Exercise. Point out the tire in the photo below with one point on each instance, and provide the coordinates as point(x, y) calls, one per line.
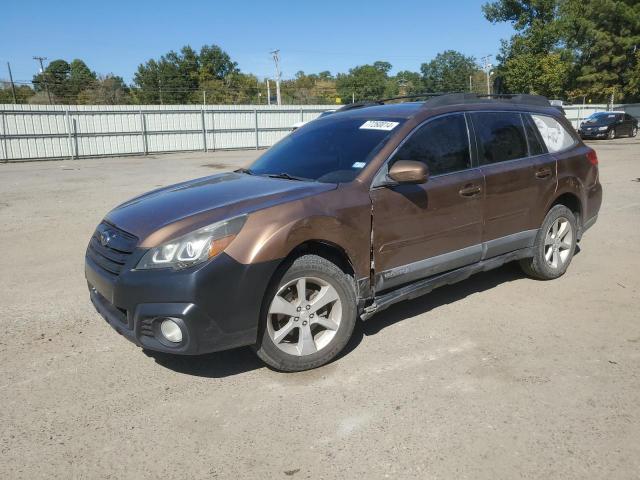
point(611, 134)
point(634, 131)
point(553, 254)
point(301, 332)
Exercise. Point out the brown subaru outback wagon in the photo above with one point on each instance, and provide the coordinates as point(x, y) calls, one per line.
point(374, 204)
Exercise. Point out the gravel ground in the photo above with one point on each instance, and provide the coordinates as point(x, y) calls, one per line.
point(499, 376)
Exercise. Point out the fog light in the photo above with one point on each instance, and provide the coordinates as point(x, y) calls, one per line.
point(171, 331)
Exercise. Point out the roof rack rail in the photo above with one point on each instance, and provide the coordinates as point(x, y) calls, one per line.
point(382, 101)
point(444, 99)
point(458, 98)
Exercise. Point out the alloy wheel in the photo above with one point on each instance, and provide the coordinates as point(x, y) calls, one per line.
point(304, 316)
point(558, 243)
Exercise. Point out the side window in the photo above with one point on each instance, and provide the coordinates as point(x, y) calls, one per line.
point(500, 136)
point(536, 145)
point(442, 144)
point(554, 135)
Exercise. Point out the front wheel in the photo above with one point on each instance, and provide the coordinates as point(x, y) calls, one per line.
point(554, 246)
point(612, 134)
point(634, 132)
point(308, 316)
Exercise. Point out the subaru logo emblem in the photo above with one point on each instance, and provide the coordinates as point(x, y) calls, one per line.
point(105, 238)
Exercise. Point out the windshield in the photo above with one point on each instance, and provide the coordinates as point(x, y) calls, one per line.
point(602, 117)
point(332, 150)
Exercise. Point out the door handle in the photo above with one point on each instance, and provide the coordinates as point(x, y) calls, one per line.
point(470, 190)
point(543, 173)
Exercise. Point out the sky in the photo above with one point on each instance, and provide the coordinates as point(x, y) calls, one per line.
point(116, 36)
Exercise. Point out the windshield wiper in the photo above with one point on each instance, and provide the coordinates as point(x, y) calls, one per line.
point(244, 170)
point(286, 176)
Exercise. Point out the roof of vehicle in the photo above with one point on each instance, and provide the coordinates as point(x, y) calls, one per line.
point(380, 109)
point(397, 110)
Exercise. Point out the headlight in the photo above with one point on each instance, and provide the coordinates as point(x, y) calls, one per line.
point(602, 129)
point(195, 247)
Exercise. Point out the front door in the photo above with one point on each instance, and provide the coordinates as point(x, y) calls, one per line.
point(422, 230)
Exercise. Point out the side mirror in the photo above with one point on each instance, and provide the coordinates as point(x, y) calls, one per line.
point(409, 171)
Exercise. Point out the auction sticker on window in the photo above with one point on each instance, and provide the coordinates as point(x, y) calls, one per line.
point(378, 125)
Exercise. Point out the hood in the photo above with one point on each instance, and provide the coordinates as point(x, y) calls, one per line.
point(207, 200)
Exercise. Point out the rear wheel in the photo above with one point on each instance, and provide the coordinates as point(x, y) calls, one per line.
point(634, 131)
point(309, 316)
point(554, 246)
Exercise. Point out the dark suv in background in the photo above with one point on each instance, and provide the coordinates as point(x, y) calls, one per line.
point(608, 125)
point(351, 213)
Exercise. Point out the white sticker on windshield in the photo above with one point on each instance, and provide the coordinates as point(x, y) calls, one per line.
point(378, 125)
point(358, 165)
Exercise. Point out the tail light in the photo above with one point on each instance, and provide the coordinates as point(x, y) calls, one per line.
point(592, 156)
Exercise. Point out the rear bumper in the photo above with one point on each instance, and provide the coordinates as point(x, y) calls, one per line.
point(591, 203)
point(217, 305)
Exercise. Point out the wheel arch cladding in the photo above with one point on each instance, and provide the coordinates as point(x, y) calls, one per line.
point(327, 250)
point(572, 202)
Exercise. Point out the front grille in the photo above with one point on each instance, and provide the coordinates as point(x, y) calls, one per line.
point(110, 247)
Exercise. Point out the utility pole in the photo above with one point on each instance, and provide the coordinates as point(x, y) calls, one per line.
point(268, 92)
point(13, 87)
point(160, 90)
point(276, 59)
point(402, 86)
point(470, 83)
point(46, 84)
point(486, 66)
point(204, 97)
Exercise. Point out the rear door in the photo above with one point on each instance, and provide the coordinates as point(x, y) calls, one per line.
point(514, 179)
point(422, 230)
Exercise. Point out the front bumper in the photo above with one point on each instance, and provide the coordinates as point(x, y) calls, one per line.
point(217, 304)
point(593, 134)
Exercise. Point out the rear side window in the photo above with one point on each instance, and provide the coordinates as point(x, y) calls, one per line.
point(442, 144)
point(536, 145)
point(500, 135)
point(554, 135)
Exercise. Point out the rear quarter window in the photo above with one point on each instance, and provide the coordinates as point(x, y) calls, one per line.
point(555, 136)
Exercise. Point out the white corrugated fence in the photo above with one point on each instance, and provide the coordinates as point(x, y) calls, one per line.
point(37, 132)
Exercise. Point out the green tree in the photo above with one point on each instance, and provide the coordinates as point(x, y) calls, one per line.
point(365, 82)
point(54, 77)
point(309, 89)
point(176, 76)
point(605, 36)
point(235, 88)
point(107, 90)
point(409, 83)
point(65, 80)
point(23, 93)
point(80, 78)
point(534, 60)
point(449, 71)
